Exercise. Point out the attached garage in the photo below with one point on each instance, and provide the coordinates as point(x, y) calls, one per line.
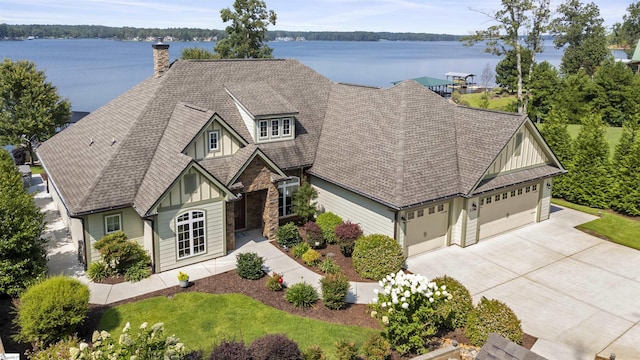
point(508, 209)
point(427, 228)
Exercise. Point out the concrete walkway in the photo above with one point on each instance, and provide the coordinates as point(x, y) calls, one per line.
point(578, 294)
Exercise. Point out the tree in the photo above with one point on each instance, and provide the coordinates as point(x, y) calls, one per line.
point(507, 70)
point(22, 251)
point(543, 88)
point(628, 33)
point(30, 106)
point(512, 21)
point(626, 193)
point(616, 84)
point(487, 77)
point(303, 204)
point(581, 28)
point(554, 131)
point(577, 95)
point(197, 53)
point(247, 32)
point(589, 172)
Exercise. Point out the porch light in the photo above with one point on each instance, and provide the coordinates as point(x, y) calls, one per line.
point(474, 206)
point(548, 185)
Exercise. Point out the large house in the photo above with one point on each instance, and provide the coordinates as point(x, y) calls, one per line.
point(205, 148)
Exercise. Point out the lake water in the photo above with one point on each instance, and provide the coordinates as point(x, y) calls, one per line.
point(91, 72)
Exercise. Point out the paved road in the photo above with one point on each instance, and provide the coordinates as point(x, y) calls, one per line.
point(578, 294)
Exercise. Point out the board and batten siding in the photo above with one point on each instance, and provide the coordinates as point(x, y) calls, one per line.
point(227, 143)
point(545, 201)
point(132, 225)
point(204, 191)
point(471, 229)
point(214, 229)
point(529, 153)
point(374, 218)
point(457, 220)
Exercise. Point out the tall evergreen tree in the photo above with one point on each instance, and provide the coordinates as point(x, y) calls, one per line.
point(617, 86)
point(628, 33)
point(22, 250)
point(554, 131)
point(581, 29)
point(247, 32)
point(589, 179)
point(543, 90)
point(577, 96)
point(625, 196)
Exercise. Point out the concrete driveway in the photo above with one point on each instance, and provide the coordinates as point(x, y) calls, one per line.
point(578, 294)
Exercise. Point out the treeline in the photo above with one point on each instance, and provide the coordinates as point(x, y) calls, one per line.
point(16, 32)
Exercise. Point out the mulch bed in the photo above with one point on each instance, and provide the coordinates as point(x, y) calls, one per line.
point(231, 282)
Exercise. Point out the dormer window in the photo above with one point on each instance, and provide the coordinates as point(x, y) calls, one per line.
point(275, 129)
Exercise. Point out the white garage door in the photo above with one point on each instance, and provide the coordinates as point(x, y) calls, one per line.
point(508, 210)
point(427, 228)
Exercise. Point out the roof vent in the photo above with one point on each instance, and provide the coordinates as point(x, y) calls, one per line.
point(90, 141)
point(113, 141)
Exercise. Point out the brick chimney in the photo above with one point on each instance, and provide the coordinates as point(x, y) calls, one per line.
point(160, 58)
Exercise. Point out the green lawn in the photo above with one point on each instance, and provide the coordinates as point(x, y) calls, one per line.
point(495, 103)
point(36, 169)
point(201, 320)
point(616, 228)
point(612, 135)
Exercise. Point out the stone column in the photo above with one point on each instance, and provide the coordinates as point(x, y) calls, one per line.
point(230, 225)
point(270, 215)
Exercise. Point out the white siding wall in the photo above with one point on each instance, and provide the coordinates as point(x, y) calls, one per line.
point(545, 201)
point(214, 228)
point(132, 225)
point(57, 200)
point(373, 217)
point(529, 154)
point(228, 145)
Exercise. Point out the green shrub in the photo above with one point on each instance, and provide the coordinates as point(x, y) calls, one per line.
point(230, 350)
point(249, 266)
point(346, 350)
point(98, 271)
point(288, 235)
point(149, 343)
point(274, 282)
point(315, 238)
point(311, 257)
point(314, 353)
point(301, 295)
point(275, 347)
point(137, 272)
point(492, 316)
point(58, 350)
point(303, 204)
point(120, 254)
point(328, 222)
point(347, 234)
point(51, 310)
point(329, 266)
point(300, 249)
point(376, 348)
point(406, 307)
point(454, 312)
point(334, 290)
point(376, 255)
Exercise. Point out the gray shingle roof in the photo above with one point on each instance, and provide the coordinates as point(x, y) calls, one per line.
point(500, 348)
point(400, 146)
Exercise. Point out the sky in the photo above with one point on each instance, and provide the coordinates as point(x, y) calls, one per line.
point(456, 17)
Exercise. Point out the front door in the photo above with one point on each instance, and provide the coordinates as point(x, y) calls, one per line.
point(240, 209)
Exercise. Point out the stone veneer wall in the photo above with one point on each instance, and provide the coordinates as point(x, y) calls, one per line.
point(161, 61)
point(257, 176)
point(230, 226)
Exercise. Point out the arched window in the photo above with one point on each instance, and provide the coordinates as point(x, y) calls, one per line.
point(190, 234)
point(285, 191)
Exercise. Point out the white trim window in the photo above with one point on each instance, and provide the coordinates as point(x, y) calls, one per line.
point(285, 195)
point(286, 127)
point(275, 128)
point(263, 129)
point(191, 236)
point(214, 140)
point(112, 223)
